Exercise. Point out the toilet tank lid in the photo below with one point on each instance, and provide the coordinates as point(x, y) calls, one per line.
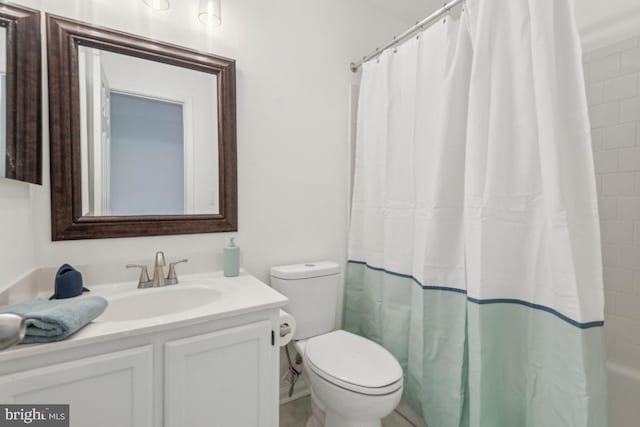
point(307, 270)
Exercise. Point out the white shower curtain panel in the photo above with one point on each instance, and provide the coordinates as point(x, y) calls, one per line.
point(474, 245)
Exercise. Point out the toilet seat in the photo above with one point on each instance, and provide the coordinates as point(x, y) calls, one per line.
point(353, 363)
point(368, 391)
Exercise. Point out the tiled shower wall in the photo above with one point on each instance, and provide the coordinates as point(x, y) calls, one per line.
point(613, 89)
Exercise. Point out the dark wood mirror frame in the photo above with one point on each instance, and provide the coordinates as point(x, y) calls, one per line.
point(67, 223)
point(24, 93)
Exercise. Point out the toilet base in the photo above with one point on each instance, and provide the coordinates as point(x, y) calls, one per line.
point(333, 419)
point(317, 414)
point(320, 418)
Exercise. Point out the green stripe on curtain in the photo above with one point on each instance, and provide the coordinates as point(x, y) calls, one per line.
point(480, 365)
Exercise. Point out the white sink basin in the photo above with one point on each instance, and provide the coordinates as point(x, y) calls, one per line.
point(157, 302)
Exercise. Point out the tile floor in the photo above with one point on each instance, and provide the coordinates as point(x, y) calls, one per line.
point(295, 414)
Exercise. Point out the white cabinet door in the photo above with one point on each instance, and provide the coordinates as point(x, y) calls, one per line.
point(111, 390)
point(222, 379)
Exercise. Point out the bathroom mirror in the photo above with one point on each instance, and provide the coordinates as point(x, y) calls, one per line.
point(143, 136)
point(20, 94)
point(149, 136)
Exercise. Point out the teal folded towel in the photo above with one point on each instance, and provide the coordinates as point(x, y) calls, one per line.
point(49, 321)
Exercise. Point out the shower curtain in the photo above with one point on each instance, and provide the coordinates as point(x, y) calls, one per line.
point(474, 248)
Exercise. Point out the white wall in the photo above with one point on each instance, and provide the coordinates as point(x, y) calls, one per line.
point(602, 23)
point(613, 88)
point(17, 256)
point(292, 94)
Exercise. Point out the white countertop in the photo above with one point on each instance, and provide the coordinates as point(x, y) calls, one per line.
point(237, 296)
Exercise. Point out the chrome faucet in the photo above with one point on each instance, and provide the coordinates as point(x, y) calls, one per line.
point(158, 270)
point(158, 278)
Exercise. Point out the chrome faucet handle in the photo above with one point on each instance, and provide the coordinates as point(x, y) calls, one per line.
point(158, 271)
point(172, 277)
point(144, 281)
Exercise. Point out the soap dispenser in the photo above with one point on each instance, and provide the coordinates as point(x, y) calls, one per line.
point(231, 259)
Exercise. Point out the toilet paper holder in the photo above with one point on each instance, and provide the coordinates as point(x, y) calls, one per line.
point(285, 329)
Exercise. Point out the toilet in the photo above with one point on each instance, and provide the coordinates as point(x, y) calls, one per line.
point(354, 382)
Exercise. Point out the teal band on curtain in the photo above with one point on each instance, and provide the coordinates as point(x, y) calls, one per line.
point(475, 365)
point(575, 323)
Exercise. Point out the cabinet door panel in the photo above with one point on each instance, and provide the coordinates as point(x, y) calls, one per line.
point(110, 390)
point(221, 379)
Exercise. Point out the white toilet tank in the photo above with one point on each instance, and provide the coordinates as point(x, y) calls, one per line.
point(312, 289)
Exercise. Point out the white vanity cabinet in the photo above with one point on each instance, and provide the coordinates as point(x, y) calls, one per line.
point(103, 391)
point(213, 374)
point(203, 353)
point(224, 378)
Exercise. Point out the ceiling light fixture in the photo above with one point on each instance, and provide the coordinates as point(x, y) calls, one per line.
point(209, 12)
point(157, 4)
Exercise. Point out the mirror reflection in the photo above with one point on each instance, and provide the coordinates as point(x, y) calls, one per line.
point(4, 164)
point(149, 137)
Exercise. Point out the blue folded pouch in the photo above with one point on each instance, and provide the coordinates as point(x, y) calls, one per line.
point(68, 283)
point(49, 321)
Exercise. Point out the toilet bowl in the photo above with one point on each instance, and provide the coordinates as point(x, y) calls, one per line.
point(354, 382)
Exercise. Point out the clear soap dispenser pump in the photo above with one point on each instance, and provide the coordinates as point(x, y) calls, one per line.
point(231, 259)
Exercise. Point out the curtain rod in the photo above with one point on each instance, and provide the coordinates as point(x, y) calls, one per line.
point(398, 39)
